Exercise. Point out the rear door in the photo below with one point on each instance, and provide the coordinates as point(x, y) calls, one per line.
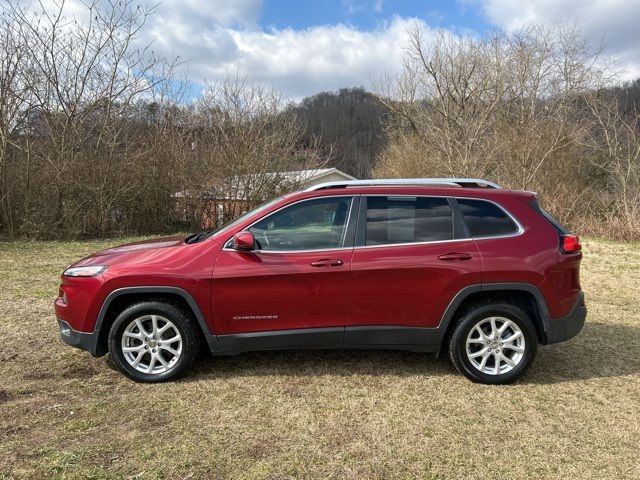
point(412, 255)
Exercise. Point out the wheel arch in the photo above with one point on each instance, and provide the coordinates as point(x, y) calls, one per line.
point(524, 295)
point(121, 298)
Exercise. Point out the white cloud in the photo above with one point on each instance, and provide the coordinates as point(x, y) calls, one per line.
point(202, 15)
point(351, 7)
point(613, 22)
point(297, 62)
point(220, 38)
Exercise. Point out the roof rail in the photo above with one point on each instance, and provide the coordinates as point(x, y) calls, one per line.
point(448, 182)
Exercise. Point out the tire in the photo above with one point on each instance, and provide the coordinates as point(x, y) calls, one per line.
point(132, 335)
point(476, 337)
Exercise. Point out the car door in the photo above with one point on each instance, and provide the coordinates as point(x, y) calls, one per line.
point(298, 276)
point(412, 255)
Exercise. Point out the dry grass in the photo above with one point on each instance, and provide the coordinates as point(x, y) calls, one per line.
point(317, 414)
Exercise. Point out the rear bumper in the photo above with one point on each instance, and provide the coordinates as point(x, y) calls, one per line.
point(81, 340)
point(562, 329)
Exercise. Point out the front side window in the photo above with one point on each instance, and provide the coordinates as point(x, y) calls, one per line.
point(232, 223)
point(485, 219)
point(317, 224)
point(408, 219)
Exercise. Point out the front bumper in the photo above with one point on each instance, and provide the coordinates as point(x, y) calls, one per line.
point(562, 329)
point(81, 340)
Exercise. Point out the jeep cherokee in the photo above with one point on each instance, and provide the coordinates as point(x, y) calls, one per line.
point(461, 266)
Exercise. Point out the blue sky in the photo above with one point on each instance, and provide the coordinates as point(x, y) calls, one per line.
point(368, 15)
point(303, 47)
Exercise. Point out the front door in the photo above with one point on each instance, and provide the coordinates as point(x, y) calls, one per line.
point(297, 278)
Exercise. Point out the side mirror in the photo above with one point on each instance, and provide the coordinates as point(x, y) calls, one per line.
point(244, 241)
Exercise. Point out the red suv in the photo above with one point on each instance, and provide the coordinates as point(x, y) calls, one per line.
point(426, 265)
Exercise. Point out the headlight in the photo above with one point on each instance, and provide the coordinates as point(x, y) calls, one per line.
point(89, 271)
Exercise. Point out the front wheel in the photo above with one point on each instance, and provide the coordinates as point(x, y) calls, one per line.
point(493, 343)
point(152, 342)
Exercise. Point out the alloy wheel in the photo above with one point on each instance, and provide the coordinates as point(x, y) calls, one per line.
point(151, 344)
point(495, 345)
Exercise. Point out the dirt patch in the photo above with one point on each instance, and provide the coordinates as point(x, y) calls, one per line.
point(5, 396)
point(79, 371)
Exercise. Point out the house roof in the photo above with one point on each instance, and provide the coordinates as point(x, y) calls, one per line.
point(299, 176)
point(235, 187)
point(238, 187)
point(318, 173)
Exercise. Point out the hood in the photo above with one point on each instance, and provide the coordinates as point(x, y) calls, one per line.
point(138, 252)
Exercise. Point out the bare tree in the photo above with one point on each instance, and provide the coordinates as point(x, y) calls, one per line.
point(615, 140)
point(447, 97)
point(97, 133)
point(508, 106)
point(15, 97)
point(81, 79)
point(248, 142)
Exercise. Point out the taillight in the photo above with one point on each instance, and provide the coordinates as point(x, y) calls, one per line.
point(570, 244)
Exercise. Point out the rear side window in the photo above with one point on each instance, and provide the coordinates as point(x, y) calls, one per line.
point(407, 219)
point(485, 219)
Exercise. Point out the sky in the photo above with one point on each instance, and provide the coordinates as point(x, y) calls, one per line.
point(304, 47)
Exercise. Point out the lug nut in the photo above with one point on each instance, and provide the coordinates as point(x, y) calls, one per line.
point(146, 347)
point(154, 350)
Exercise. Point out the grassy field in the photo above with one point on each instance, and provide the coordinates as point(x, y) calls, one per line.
point(316, 414)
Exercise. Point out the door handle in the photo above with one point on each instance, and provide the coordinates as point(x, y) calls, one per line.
point(327, 262)
point(455, 257)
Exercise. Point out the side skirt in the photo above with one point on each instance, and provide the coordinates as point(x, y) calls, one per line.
point(413, 339)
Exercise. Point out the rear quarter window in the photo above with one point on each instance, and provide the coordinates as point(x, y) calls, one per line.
point(561, 229)
point(486, 219)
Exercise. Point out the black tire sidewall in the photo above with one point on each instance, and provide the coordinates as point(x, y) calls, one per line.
point(179, 319)
point(457, 345)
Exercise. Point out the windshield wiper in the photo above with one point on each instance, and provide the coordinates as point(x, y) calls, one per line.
point(198, 237)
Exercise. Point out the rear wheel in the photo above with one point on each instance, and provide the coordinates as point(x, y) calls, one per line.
point(152, 342)
point(493, 343)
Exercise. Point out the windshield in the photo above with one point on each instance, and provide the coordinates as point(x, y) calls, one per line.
point(197, 237)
